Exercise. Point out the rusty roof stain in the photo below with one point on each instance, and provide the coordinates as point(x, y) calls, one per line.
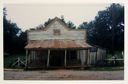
point(57, 44)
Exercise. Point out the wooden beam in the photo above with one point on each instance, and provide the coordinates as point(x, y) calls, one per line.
point(96, 56)
point(29, 56)
point(65, 58)
point(78, 55)
point(26, 58)
point(82, 62)
point(88, 57)
point(48, 58)
point(35, 55)
point(18, 61)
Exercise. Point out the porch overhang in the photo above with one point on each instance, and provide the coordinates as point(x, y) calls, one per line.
point(57, 44)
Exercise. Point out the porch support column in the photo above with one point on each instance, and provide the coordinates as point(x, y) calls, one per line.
point(82, 56)
point(26, 58)
point(96, 57)
point(48, 58)
point(88, 57)
point(65, 58)
point(78, 56)
point(35, 55)
point(32, 55)
point(29, 56)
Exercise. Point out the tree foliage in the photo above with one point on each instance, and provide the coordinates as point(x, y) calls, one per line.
point(14, 38)
point(84, 25)
point(47, 22)
point(107, 30)
point(71, 25)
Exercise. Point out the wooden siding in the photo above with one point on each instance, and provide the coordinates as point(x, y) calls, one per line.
point(64, 33)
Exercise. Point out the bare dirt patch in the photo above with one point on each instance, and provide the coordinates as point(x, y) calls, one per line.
point(63, 75)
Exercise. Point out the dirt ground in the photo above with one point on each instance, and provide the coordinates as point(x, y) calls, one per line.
point(63, 75)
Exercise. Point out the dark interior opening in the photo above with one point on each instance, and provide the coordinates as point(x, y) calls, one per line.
point(57, 57)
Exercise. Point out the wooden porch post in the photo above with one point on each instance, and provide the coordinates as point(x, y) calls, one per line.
point(32, 55)
point(48, 58)
point(78, 55)
point(82, 54)
point(29, 57)
point(88, 62)
point(26, 58)
point(35, 54)
point(96, 57)
point(65, 58)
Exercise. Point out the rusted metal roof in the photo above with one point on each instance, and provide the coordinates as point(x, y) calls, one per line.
point(57, 44)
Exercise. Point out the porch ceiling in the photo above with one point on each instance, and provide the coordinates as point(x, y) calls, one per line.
point(57, 44)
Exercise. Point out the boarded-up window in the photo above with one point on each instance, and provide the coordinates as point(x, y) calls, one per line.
point(56, 31)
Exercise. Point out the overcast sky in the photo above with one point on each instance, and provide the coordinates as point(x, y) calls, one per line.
point(31, 15)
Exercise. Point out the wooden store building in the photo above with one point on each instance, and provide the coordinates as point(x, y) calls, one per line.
point(56, 45)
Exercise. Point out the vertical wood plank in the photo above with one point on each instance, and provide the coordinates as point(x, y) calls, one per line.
point(26, 58)
point(65, 58)
point(34, 55)
point(96, 57)
point(88, 57)
point(48, 58)
point(86, 54)
point(29, 57)
point(78, 55)
point(82, 54)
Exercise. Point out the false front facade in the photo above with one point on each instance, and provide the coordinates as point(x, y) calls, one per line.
point(56, 45)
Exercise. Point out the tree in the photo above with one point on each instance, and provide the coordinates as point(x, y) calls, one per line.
point(71, 25)
point(12, 36)
point(107, 30)
point(84, 25)
point(47, 22)
point(62, 19)
point(41, 26)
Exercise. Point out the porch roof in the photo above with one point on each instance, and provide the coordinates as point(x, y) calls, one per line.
point(57, 44)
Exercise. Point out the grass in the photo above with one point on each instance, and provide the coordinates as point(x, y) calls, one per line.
point(106, 68)
point(9, 60)
point(117, 54)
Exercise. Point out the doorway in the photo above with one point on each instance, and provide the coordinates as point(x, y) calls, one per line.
point(57, 58)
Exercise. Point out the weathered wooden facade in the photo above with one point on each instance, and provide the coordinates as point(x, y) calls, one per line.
point(56, 45)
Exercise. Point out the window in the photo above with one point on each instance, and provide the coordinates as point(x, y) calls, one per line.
point(56, 31)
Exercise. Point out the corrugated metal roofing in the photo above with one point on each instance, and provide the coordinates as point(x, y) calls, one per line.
point(57, 44)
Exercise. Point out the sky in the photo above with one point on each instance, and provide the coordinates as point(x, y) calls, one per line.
point(31, 15)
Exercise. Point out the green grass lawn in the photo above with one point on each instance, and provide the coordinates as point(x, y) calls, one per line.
point(9, 60)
